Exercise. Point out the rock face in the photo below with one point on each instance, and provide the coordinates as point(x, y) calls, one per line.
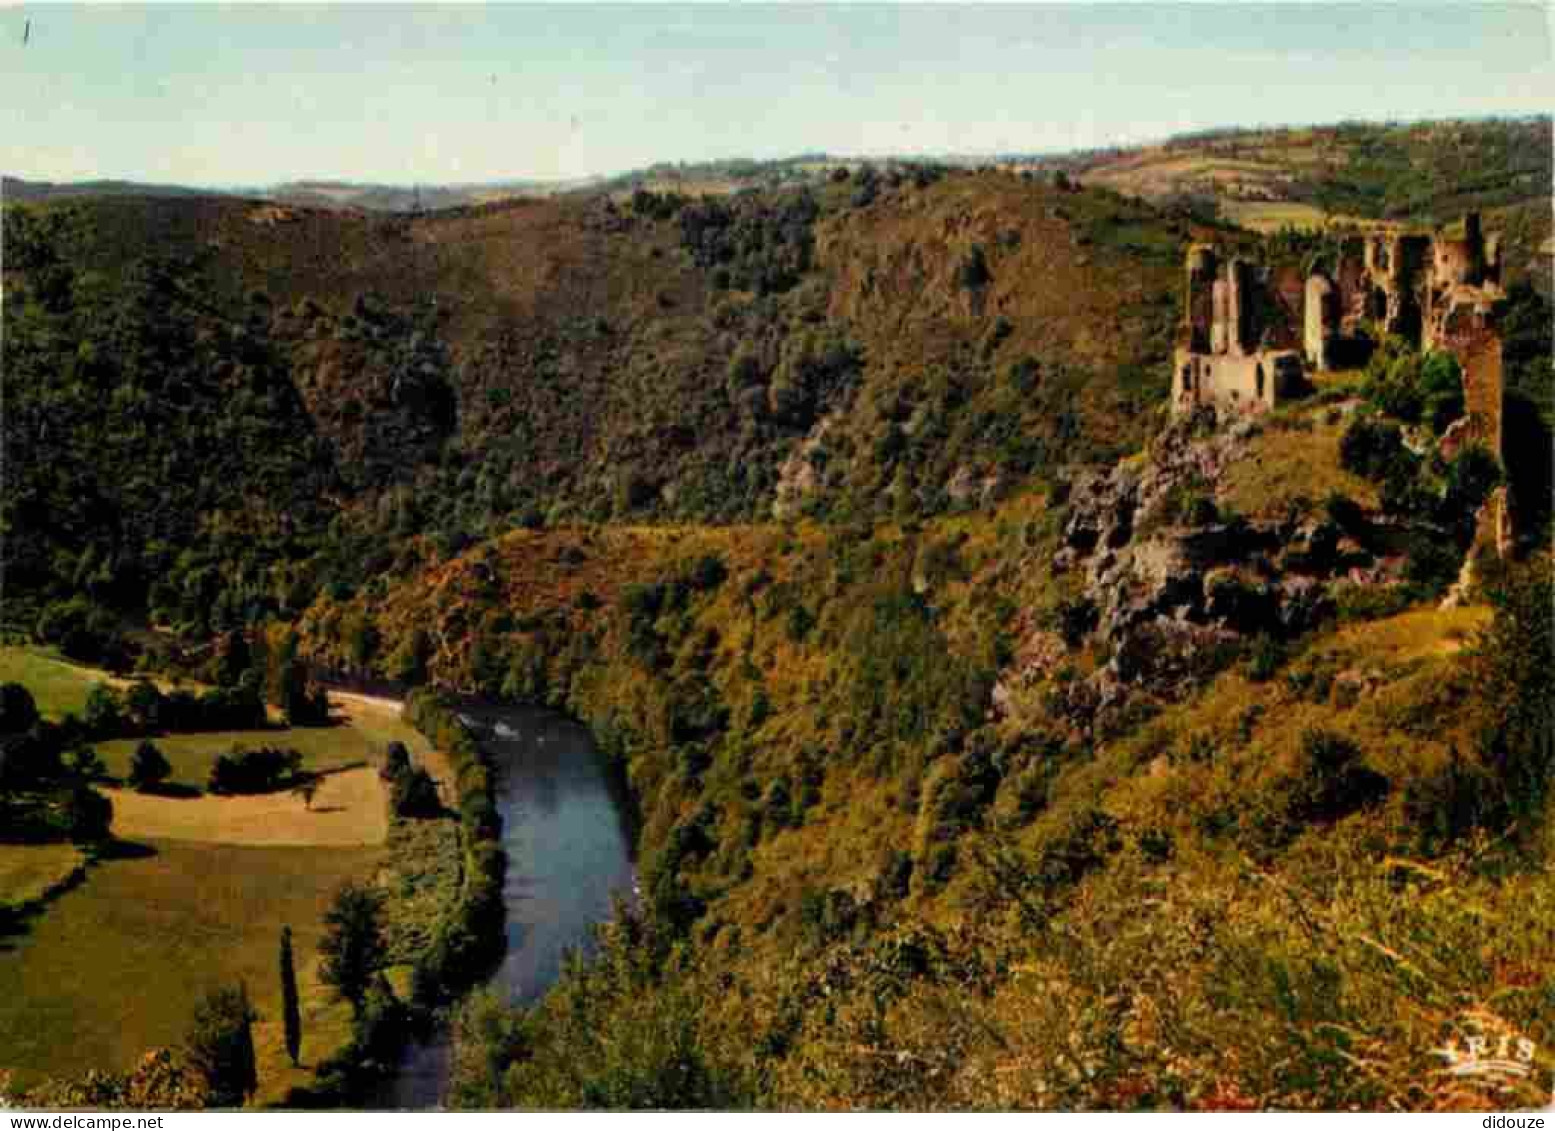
point(1170, 582)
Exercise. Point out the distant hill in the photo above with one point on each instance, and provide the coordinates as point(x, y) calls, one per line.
point(15, 189)
point(313, 194)
point(991, 741)
point(1420, 171)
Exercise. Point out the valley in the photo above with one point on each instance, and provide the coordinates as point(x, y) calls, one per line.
point(981, 713)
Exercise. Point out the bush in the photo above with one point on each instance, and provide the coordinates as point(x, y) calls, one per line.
point(1470, 480)
point(262, 770)
point(1074, 619)
point(1372, 449)
point(104, 713)
point(1267, 656)
point(1345, 513)
point(82, 630)
point(18, 710)
point(396, 762)
point(973, 274)
point(414, 794)
point(1444, 806)
point(221, 1046)
point(149, 767)
point(1441, 390)
point(1332, 783)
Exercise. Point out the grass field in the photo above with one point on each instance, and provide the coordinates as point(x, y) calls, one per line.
point(28, 872)
point(194, 896)
point(360, 737)
point(350, 809)
point(116, 966)
point(57, 686)
point(1272, 215)
point(1289, 463)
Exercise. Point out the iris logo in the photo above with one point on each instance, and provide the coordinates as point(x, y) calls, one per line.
point(1488, 1051)
point(1481, 1055)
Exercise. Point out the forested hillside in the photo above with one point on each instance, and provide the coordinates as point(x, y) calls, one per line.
point(994, 739)
point(268, 400)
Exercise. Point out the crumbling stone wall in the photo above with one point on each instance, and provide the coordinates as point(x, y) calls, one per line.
point(1235, 349)
point(1246, 332)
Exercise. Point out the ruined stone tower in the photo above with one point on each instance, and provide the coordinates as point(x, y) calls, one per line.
point(1223, 355)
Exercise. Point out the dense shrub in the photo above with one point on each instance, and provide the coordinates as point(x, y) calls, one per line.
point(261, 770)
point(1332, 782)
point(470, 936)
point(18, 710)
point(149, 767)
point(1372, 449)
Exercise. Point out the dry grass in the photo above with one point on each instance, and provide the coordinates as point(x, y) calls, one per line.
point(350, 809)
point(117, 965)
point(1286, 465)
point(29, 872)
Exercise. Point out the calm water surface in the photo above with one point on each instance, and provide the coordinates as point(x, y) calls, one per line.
point(565, 831)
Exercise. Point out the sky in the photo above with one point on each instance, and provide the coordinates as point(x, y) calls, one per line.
point(249, 95)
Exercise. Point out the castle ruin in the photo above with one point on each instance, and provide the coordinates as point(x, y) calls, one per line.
point(1235, 347)
point(1249, 335)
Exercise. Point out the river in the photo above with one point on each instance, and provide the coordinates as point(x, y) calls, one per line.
point(566, 833)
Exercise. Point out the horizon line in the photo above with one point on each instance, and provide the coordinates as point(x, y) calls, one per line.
point(1198, 133)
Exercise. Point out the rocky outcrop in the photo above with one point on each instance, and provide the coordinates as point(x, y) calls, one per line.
point(1172, 582)
point(1153, 547)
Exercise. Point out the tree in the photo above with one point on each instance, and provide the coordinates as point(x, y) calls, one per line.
point(415, 794)
point(143, 705)
point(291, 1016)
point(303, 703)
point(221, 1045)
point(149, 767)
point(18, 711)
point(1513, 668)
point(353, 943)
point(263, 770)
point(86, 814)
point(307, 788)
point(87, 764)
point(396, 762)
point(103, 714)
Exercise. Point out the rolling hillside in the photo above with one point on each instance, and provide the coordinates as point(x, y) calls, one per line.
point(994, 740)
point(871, 348)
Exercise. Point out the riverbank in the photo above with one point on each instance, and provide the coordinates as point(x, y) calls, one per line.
point(441, 888)
point(567, 838)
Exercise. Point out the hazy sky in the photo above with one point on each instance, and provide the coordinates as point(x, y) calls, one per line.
point(246, 95)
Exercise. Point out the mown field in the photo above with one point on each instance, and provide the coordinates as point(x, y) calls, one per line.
point(359, 736)
point(117, 966)
point(192, 894)
point(28, 872)
point(58, 687)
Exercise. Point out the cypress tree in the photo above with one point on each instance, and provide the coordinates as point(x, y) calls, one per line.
point(291, 1015)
